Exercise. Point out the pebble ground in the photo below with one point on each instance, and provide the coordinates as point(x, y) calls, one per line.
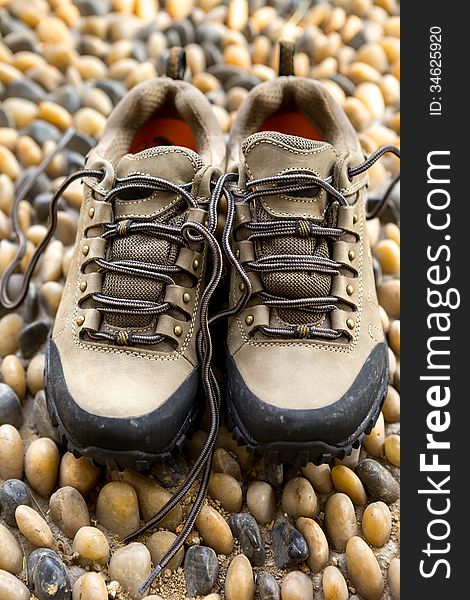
point(66, 63)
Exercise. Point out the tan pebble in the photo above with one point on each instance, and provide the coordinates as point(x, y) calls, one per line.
point(214, 530)
point(336, 20)
point(361, 7)
point(89, 121)
point(46, 75)
point(261, 49)
point(381, 135)
point(90, 586)
point(35, 374)
point(363, 569)
point(334, 585)
point(69, 510)
point(346, 481)
point(179, 9)
point(5, 226)
point(41, 465)
point(96, 25)
point(225, 440)
point(392, 26)
point(34, 527)
point(331, 47)
point(327, 68)
point(91, 545)
point(316, 541)
point(123, 6)
point(8, 138)
point(392, 364)
point(391, 406)
point(73, 77)
point(301, 64)
point(13, 374)
point(392, 449)
point(373, 230)
point(389, 297)
point(157, 43)
point(222, 117)
point(11, 453)
point(340, 520)
point(122, 68)
point(7, 193)
point(388, 5)
point(263, 16)
point(239, 582)
point(334, 89)
point(60, 55)
point(8, 73)
point(152, 497)
point(384, 318)
point(238, 56)
point(25, 60)
point(374, 55)
point(66, 229)
point(36, 233)
point(131, 566)
point(392, 232)
point(12, 588)
point(352, 27)
point(236, 97)
point(297, 586)
point(264, 72)
point(394, 337)
point(53, 30)
point(145, 72)
point(319, 476)
point(58, 164)
point(98, 100)
point(225, 463)
point(261, 501)
point(377, 524)
point(28, 151)
point(387, 252)
point(30, 248)
point(23, 112)
point(159, 543)
point(68, 13)
point(73, 195)
point(52, 265)
point(374, 442)
point(394, 578)
point(237, 16)
point(368, 144)
point(390, 88)
point(78, 473)
point(209, 597)
point(395, 69)
point(117, 508)
point(299, 498)
point(391, 46)
point(8, 163)
point(55, 114)
point(6, 54)
point(10, 326)
point(24, 215)
point(146, 9)
point(120, 49)
point(206, 82)
point(227, 491)
point(195, 58)
point(11, 556)
point(357, 113)
point(91, 67)
point(371, 96)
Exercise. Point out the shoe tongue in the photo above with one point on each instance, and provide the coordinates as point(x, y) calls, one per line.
point(173, 163)
point(271, 153)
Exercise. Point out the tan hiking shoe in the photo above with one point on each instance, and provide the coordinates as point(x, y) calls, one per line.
point(307, 361)
point(122, 369)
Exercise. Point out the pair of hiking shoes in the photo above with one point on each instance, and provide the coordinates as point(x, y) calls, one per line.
point(169, 211)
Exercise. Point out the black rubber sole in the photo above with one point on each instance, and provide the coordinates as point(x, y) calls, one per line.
point(119, 460)
point(301, 453)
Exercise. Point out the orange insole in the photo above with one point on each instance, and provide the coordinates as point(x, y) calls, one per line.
point(163, 131)
point(292, 123)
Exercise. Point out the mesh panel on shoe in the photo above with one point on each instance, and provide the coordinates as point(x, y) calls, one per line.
point(143, 248)
point(289, 140)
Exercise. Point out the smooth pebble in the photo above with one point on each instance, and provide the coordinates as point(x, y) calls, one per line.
point(297, 586)
point(345, 480)
point(34, 527)
point(158, 544)
point(261, 501)
point(12, 588)
point(11, 556)
point(394, 578)
point(11, 453)
point(78, 473)
point(69, 510)
point(90, 586)
point(35, 374)
point(214, 530)
point(340, 520)
point(201, 568)
point(225, 489)
point(392, 449)
point(378, 481)
point(91, 545)
point(117, 508)
point(239, 582)
point(13, 492)
point(10, 407)
point(316, 541)
point(374, 442)
point(377, 524)
point(334, 584)
point(299, 498)
point(319, 476)
point(10, 327)
point(363, 569)
point(41, 465)
point(131, 566)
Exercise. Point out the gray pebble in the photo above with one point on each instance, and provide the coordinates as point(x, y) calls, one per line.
point(40, 184)
point(139, 51)
point(47, 576)
point(267, 587)
point(13, 492)
point(88, 8)
point(91, 45)
point(201, 568)
point(42, 420)
point(210, 32)
point(80, 143)
point(41, 131)
point(10, 407)
point(242, 80)
point(32, 337)
point(25, 88)
point(379, 483)
point(289, 545)
point(114, 89)
point(6, 119)
point(377, 272)
point(41, 204)
point(344, 83)
point(358, 40)
point(246, 529)
point(29, 308)
point(66, 96)
point(19, 41)
point(212, 54)
point(74, 161)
